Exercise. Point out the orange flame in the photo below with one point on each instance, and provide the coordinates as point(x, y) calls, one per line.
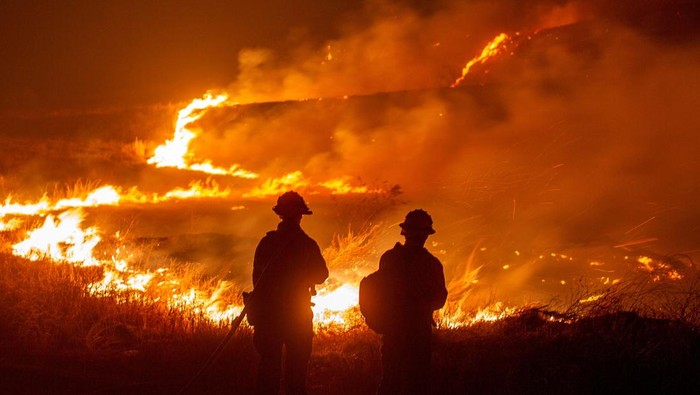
point(174, 153)
point(61, 239)
point(335, 308)
point(657, 269)
point(276, 186)
point(491, 49)
point(298, 182)
point(109, 195)
point(460, 318)
point(341, 186)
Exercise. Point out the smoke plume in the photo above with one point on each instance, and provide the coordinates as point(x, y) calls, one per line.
point(582, 136)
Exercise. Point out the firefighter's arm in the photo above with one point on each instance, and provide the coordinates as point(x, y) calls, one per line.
point(439, 291)
point(261, 258)
point(318, 271)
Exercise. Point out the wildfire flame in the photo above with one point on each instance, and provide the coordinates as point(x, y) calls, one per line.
point(657, 269)
point(335, 308)
point(341, 186)
point(276, 186)
point(298, 182)
point(494, 47)
point(174, 153)
point(62, 239)
point(110, 195)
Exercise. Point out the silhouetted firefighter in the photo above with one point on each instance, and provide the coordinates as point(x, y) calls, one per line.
point(398, 301)
point(288, 264)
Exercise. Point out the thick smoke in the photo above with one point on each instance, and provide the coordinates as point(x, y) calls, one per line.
point(584, 137)
point(386, 48)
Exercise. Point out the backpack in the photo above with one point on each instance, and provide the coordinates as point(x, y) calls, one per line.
point(373, 302)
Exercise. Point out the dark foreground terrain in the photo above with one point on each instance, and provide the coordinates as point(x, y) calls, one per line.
point(617, 353)
point(57, 339)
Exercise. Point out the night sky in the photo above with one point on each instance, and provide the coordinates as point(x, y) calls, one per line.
point(62, 55)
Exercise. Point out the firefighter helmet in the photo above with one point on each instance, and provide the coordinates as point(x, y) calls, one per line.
point(417, 221)
point(290, 204)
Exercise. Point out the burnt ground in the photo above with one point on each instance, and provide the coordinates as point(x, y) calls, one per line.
point(614, 353)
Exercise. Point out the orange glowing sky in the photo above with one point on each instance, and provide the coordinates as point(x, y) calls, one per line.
point(80, 53)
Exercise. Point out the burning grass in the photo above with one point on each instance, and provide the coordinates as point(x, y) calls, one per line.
point(51, 309)
point(56, 333)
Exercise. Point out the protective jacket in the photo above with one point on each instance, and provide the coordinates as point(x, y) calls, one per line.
point(287, 265)
point(415, 287)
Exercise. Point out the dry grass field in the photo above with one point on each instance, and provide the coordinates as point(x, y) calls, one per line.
point(56, 338)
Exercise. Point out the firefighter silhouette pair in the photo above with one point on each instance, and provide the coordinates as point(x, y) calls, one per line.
point(397, 301)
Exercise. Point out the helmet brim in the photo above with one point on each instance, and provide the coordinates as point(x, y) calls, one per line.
point(408, 228)
point(291, 210)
